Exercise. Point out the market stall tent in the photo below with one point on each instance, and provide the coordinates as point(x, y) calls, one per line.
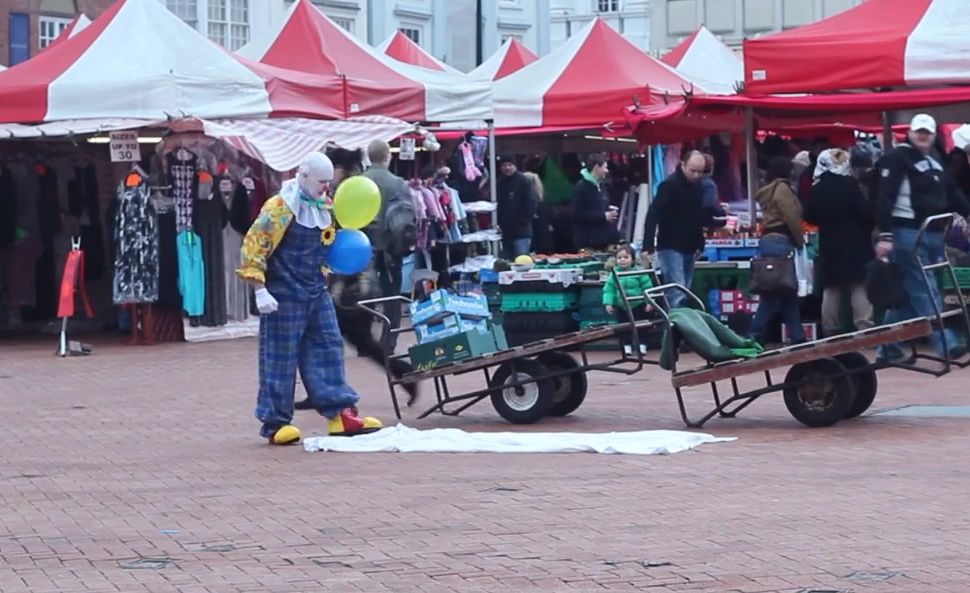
point(138, 60)
point(585, 82)
point(878, 44)
point(708, 62)
point(308, 41)
point(511, 57)
point(400, 47)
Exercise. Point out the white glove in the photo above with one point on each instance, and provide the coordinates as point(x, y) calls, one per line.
point(265, 302)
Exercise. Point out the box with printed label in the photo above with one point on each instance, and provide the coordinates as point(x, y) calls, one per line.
point(442, 303)
point(449, 326)
point(457, 348)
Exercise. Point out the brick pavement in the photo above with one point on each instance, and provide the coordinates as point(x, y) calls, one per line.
point(139, 469)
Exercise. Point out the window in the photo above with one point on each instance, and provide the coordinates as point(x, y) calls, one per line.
point(19, 26)
point(607, 5)
point(412, 33)
point(344, 23)
point(228, 23)
point(187, 10)
point(50, 28)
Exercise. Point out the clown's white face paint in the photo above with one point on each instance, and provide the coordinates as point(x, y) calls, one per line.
point(315, 175)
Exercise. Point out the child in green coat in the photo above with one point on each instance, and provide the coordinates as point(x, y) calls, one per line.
point(633, 287)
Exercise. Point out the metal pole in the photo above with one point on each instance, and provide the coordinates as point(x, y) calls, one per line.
point(492, 172)
point(887, 131)
point(751, 166)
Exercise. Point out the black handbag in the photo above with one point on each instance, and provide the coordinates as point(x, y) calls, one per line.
point(774, 276)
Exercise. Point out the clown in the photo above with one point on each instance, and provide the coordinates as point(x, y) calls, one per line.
point(284, 255)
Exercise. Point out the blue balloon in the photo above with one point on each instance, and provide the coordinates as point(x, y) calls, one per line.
point(350, 252)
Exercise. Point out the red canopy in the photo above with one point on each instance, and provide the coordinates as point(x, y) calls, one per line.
point(308, 41)
point(511, 57)
point(400, 47)
point(587, 81)
point(171, 71)
point(880, 43)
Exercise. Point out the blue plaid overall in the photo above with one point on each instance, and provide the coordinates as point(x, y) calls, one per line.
point(302, 334)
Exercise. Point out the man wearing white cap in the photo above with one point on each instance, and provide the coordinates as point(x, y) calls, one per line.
point(912, 187)
point(285, 254)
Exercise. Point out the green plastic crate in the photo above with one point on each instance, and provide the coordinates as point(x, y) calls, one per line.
point(539, 302)
point(591, 295)
point(963, 278)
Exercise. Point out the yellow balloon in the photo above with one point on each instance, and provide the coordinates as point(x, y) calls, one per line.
point(357, 202)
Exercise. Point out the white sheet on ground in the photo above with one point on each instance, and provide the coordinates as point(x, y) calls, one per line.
point(402, 439)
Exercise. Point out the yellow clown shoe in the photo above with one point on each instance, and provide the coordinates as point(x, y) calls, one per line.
point(348, 423)
point(286, 435)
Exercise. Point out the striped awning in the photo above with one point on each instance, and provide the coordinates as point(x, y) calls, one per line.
point(282, 143)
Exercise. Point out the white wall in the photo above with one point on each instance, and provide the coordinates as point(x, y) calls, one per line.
point(733, 20)
point(632, 19)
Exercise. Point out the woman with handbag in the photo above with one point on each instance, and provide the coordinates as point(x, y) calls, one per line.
point(773, 271)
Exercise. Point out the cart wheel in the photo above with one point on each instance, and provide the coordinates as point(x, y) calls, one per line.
point(525, 404)
point(570, 390)
point(819, 397)
point(866, 383)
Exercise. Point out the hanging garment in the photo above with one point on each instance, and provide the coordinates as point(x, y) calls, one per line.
point(168, 262)
point(191, 273)
point(237, 291)
point(136, 246)
point(239, 205)
point(209, 214)
point(182, 166)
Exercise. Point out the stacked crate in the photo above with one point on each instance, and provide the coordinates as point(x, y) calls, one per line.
point(539, 304)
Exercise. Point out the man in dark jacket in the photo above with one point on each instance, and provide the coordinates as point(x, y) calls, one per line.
point(517, 203)
point(677, 217)
point(594, 222)
point(912, 187)
point(387, 264)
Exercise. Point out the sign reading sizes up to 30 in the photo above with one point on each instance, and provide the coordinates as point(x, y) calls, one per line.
point(124, 147)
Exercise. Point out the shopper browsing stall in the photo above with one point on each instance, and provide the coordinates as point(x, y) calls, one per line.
point(912, 187)
point(782, 224)
point(594, 222)
point(677, 218)
point(284, 255)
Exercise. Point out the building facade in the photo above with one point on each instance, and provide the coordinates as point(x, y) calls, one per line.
point(445, 28)
point(733, 20)
point(630, 17)
point(27, 26)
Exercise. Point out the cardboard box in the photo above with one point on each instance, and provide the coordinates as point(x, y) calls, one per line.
point(442, 303)
point(458, 347)
point(564, 276)
point(449, 326)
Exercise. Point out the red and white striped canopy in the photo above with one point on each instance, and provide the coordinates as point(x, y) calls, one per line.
point(706, 61)
point(586, 82)
point(400, 47)
point(511, 57)
point(308, 41)
point(138, 60)
point(77, 24)
point(880, 43)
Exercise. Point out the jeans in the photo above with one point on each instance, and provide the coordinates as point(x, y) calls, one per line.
point(921, 298)
point(516, 247)
point(771, 304)
point(389, 274)
point(676, 267)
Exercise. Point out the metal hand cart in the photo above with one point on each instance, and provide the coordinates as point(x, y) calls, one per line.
point(829, 379)
point(528, 382)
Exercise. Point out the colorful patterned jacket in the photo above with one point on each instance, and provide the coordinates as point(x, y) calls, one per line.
point(265, 235)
